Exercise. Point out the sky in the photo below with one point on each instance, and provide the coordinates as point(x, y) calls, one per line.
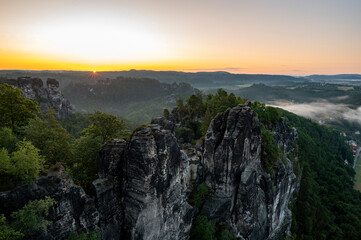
point(257, 36)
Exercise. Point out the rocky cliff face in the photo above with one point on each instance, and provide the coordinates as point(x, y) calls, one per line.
point(154, 186)
point(251, 201)
point(145, 182)
point(49, 96)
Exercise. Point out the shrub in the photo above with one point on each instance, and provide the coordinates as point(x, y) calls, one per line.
point(50, 137)
point(202, 229)
point(31, 216)
point(7, 139)
point(226, 235)
point(5, 163)
point(6, 232)
point(199, 195)
point(26, 163)
point(94, 235)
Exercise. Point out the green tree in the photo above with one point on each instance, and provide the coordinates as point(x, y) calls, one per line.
point(5, 162)
point(6, 232)
point(226, 235)
point(199, 195)
point(26, 163)
point(106, 126)
point(166, 112)
point(202, 229)
point(15, 110)
point(270, 153)
point(84, 169)
point(6, 182)
point(8, 139)
point(75, 123)
point(94, 235)
point(31, 216)
point(50, 137)
point(195, 104)
point(206, 121)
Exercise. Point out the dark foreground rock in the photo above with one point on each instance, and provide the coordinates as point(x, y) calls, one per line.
point(145, 182)
point(73, 211)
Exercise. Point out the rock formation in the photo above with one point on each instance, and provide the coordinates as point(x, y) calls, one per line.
point(145, 182)
point(74, 210)
point(49, 96)
point(250, 200)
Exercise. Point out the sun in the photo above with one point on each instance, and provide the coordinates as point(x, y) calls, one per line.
point(94, 71)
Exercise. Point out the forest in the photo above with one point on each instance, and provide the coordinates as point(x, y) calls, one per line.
point(33, 143)
point(326, 206)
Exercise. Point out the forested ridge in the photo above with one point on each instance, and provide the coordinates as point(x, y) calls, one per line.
point(31, 144)
point(326, 206)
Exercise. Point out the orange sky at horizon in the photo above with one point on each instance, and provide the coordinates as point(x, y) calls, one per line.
point(282, 37)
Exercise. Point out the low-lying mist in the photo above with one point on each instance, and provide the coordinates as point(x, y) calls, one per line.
point(321, 110)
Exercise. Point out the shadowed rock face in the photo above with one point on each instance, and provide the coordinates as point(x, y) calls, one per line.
point(74, 210)
point(49, 96)
point(144, 184)
point(154, 197)
point(252, 202)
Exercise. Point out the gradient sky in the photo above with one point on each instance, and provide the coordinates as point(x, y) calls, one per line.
point(296, 37)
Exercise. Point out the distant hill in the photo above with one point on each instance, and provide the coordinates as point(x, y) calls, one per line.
point(198, 79)
point(209, 79)
point(136, 99)
point(303, 93)
point(334, 77)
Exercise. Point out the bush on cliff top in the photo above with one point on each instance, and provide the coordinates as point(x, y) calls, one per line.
point(26, 220)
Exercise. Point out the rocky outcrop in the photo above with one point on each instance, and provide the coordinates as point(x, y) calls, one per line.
point(154, 175)
point(252, 202)
point(49, 96)
point(74, 211)
point(145, 182)
point(284, 136)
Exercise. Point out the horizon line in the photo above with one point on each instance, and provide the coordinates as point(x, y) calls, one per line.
point(183, 71)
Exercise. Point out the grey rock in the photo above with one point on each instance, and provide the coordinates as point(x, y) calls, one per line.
point(231, 166)
point(49, 96)
point(154, 180)
point(216, 207)
point(73, 211)
point(284, 136)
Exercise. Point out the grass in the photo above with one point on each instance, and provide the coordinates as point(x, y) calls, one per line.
point(357, 184)
point(345, 88)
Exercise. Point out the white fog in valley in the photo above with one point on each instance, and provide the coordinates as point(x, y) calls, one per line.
point(321, 110)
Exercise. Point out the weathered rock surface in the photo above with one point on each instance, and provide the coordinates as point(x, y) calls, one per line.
point(284, 136)
point(254, 204)
point(154, 175)
point(108, 189)
point(73, 211)
point(144, 184)
point(49, 96)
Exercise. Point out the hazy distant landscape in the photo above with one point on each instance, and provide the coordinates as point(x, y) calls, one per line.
point(139, 96)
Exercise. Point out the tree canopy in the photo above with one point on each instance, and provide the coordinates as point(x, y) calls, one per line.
point(106, 126)
point(15, 109)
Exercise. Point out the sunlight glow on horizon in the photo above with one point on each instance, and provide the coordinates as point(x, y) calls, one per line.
point(293, 37)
